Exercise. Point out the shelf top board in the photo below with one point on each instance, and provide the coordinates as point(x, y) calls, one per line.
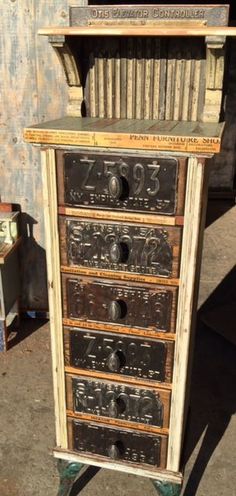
point(174, 136)
point(141, 30)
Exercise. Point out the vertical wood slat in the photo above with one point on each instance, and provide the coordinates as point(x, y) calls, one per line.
point(156, 79)
point(117, 89)
point(123, 79)
point(92, 85)
point(195, 89)
point(163, 77)
point(195, 202)
point(151, 78)
point(130, 78)
point(170, 82)
point(54, 292)
point(186, 85)
point(109, 87)
point(148, 80)
point(177, 103)
point(139, 80)
point(101, 85)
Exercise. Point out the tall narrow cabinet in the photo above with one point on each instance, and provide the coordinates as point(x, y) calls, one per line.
point(125, 189)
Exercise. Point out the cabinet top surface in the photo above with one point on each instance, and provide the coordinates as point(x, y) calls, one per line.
point(188, 137)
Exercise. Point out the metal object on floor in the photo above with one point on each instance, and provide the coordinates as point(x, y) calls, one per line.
point(167, 488)
point(68, 472)
point(9, 277)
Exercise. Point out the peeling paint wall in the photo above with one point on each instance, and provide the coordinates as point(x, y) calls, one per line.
point(32, 89)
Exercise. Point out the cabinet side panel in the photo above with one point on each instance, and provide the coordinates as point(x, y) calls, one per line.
point(196, 195)
point(54, 293)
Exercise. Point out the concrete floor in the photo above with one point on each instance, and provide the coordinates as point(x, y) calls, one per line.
point(27, 467)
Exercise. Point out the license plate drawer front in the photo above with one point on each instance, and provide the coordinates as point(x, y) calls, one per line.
point(118, 401)
point(145, 183)
point(115, 353)
point(119, 304)
point(120, 247)
point(117, 444)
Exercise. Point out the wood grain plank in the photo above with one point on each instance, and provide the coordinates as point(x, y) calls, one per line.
point(54, 290)
point(163, 445)
point(147, 30)
point(117, 378)
point(192, 237)
point(84, 320)
point(135, 469)
point(163, 394)
point(123, 424)
point(126, 217)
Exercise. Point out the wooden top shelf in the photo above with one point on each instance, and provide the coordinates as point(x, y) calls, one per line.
point(174, 136)
point(118, 30)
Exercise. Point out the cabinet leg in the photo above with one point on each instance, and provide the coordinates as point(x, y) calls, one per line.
point(165, 488)
point(68, 472)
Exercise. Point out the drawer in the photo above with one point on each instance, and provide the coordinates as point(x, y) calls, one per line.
point(120, 247)
point(94, 300)
point(118, 401)
point(122, 181)
point(117, 444)
point(115, 353)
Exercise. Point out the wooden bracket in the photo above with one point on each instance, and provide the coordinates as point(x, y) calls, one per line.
point(215, 56)
point(71, 69)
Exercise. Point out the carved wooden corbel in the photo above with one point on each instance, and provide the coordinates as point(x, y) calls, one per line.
point(215, 58)
point(72, 72)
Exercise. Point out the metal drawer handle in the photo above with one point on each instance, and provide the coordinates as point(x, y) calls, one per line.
point(115, 310)
point(115, 451)
point(115, 187)
point(119, 252)
point(114, 362)
point(116, 407)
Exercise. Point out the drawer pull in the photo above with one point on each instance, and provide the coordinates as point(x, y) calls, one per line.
point(115, 450)
point(114, 362)
point(117, 309)
point(115, 187)
point(119, 252)
point(116, 407)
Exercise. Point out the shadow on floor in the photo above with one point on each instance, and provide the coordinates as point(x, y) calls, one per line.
point(213, 395)
point(83, 480)
point(26, 328)
point(216, 209)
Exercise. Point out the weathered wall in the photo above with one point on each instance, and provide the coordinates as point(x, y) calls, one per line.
point(33, 89)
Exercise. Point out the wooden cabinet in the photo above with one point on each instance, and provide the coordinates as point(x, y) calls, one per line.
point(125, 190)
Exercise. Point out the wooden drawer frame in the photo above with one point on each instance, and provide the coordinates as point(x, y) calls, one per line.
point(194, 217)
point(118, 327)
point(163, 451)
point(180, 186)
point(123, 377)
point(164, 395)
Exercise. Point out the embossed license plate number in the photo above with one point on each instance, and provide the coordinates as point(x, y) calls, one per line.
point(121, 182)
point(144, 250)
point(118, 444)
point(118, 304)
point(117, 401)
point(112, 353)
